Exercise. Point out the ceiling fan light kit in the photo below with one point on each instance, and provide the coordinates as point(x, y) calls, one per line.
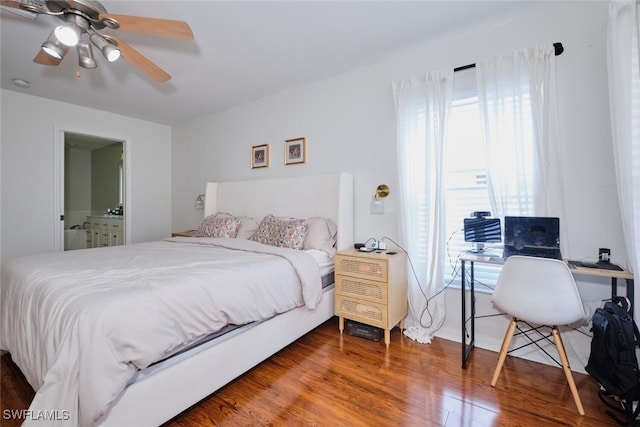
point(109, 51)
point(83, 21)
point(68, 35)
point(53, 47)
point(85, 55)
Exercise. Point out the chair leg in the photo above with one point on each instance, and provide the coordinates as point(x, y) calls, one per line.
point(567, 369)
point(506, 343)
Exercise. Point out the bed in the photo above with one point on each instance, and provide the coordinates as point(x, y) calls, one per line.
point(166, 386)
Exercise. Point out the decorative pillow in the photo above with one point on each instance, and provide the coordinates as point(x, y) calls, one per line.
point(214, 226)
point(222, 215)
point(321, 235)
point(280, 232)
point(248, 225)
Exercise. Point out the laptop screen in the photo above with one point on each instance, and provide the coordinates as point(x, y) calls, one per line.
point(531, 231)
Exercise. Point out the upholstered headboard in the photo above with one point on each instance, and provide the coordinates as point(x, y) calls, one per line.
point(329, 196)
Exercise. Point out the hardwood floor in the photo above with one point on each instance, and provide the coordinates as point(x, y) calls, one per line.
point(325, 380)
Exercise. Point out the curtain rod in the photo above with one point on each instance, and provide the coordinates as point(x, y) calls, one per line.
point(558, 47)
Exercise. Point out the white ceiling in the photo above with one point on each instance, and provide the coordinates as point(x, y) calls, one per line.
point(243, 50)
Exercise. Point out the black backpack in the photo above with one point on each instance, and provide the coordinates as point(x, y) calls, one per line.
point(613, 363)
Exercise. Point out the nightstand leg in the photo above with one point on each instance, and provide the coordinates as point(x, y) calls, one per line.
point(341, 323)
point(401, 325)
point(387, 337)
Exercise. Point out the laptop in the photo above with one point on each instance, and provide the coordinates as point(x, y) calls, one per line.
point(532, 236)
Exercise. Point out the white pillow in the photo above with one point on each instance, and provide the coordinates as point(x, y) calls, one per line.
point(321, 235)
point(248, 226)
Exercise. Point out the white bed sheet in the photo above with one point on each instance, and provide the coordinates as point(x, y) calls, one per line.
point(80, 324)
point(325, 262)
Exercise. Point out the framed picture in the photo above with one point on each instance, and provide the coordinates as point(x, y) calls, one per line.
point(260, 156)
point(295, 151)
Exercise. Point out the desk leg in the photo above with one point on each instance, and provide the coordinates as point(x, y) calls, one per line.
point(463, 340)
point(473, 309)
point(467, 347)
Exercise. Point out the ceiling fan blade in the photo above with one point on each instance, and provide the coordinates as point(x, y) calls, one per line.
point(43, 58)
point(152, 26)
point(139, 61)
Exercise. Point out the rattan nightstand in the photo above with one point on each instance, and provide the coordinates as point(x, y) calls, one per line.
point(187, 233)
point(371, 288)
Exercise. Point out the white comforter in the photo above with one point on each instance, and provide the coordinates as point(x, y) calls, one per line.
point(80, 324)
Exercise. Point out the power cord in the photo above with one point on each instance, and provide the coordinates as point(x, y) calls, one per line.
point(426, 310)
point(455, 272)
point(371, 239)
point(415, 275)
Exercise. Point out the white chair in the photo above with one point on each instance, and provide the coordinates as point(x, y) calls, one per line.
point(539, 291)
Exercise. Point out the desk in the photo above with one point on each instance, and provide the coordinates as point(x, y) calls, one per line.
point(473, 258)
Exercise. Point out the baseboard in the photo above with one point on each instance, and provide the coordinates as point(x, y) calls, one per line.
point(492, 344)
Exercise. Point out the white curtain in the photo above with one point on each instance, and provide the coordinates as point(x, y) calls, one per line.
point(623, 51)
point(422, 108)
point(518, 102)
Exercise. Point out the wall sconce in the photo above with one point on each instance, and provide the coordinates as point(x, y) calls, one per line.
point(377, 204)
point(200, 202)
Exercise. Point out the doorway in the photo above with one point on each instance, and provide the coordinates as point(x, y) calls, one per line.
point(92, 191)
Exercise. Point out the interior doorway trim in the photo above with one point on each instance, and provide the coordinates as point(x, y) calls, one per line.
point(58, 179)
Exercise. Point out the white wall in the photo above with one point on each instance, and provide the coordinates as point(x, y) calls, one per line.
point(349, 124)
point(27, 170)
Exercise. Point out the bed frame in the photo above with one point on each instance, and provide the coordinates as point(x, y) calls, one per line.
point(161, 394)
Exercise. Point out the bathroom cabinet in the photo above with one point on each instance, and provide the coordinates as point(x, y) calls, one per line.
point(105, 230)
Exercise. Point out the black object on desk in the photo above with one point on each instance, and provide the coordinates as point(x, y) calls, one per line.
point(599, 265)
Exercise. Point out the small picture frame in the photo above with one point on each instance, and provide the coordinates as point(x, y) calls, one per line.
point(260, 156)
point(295, 151)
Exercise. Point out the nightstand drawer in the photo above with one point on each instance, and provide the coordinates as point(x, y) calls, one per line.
point(365, 268)
point(361, 288)
point(363, 311)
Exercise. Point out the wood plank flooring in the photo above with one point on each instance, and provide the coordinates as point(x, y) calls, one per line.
point(324, 379)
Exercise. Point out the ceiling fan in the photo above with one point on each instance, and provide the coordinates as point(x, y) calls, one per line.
point(82, 22)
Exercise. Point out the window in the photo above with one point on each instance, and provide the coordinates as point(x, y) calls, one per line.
point(466, 179)
point(465, 185)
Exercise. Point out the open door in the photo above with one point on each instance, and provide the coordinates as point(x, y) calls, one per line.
point(92, 194)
